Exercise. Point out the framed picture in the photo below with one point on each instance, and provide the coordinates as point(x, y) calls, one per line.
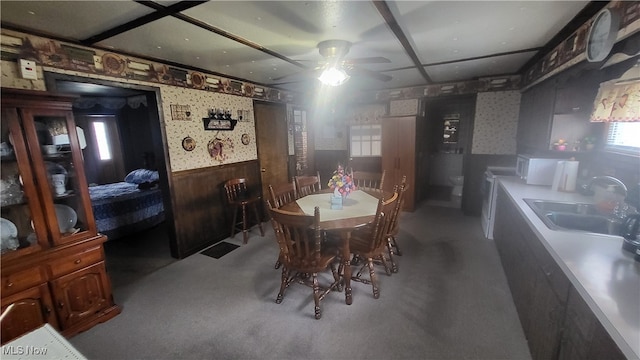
point(219, 124)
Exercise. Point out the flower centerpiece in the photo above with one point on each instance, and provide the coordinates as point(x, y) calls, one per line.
point(342, 185)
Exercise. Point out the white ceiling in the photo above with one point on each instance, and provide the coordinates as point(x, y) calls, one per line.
point(260, 41)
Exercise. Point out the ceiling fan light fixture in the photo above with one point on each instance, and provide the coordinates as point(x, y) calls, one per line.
point(333, 76)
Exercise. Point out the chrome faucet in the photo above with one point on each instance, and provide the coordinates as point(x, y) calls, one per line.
point(604, 178)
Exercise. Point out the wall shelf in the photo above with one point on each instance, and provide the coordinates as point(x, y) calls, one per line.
point(219, 124)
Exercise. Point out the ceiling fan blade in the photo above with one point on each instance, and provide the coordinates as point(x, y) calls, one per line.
point(299, 76)
point(368, 60)
point(372, 74)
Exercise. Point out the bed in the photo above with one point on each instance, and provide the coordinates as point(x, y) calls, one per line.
point(127, 207)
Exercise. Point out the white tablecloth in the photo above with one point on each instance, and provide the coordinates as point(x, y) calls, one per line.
point(357, 204)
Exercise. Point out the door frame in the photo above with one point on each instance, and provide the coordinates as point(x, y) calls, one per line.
point(158, 132)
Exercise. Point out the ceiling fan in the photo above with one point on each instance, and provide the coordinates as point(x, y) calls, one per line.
point(335, 69)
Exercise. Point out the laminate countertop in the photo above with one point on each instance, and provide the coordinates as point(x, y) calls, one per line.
point(607, 277)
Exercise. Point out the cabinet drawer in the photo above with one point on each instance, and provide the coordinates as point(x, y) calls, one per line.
point(20, 280)
point(75, 262)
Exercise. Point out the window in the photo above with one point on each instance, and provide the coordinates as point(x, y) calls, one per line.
point(366, 140)
point(103, 142)
point(624, 136)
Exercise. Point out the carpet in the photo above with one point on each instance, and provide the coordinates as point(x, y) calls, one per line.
point(220, 249)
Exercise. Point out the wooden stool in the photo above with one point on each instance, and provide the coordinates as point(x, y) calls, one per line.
point(239, 198)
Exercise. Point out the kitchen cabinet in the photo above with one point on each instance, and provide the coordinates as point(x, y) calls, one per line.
point(537, 107)
point(31, 309)
point(52, 256)
point(583, 336)
point(399, 155)
point(556, 321)
point(537, 293)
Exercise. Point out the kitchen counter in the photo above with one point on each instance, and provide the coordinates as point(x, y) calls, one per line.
point(607, 277)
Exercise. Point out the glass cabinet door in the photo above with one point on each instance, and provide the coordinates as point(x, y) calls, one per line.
point(23, 229)
point(57, 159)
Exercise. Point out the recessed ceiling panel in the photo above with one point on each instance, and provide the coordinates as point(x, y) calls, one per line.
point(294, 28)
point(74, 20)
point(451, 30)
point(188, 44)
point(438, 31)
point(473, 69)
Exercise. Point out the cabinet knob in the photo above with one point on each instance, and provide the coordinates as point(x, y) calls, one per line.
point(10, 284)
point(60, 304)
point(78, 261)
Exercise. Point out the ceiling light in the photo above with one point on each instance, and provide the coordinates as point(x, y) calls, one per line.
point(333, 76)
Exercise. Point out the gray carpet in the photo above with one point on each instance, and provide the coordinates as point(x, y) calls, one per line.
point(450, 300)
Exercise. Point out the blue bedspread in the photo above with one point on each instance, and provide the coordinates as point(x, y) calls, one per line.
point(121, 204)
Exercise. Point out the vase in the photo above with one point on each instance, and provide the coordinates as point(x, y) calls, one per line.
point(336, 200)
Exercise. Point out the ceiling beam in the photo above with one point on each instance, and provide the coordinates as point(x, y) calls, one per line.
point(483, 57)
point(384, 10)
point(239, 39)
point(161, 11)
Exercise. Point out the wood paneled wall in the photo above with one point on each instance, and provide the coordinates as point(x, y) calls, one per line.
point(201, 215)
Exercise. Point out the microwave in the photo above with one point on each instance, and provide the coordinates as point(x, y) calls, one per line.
point(536, 170)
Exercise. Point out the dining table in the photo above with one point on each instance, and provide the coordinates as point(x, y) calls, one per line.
point(358, 209)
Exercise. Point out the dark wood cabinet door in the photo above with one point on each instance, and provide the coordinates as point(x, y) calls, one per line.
point(536, 117)
point(81, 294)
point(31, 309)
point(399, 155)
point(544, 331)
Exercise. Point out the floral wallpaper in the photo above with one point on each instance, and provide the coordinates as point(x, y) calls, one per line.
point(403, 107)
point(226, 146)
point(496, 123)
point(212, 147)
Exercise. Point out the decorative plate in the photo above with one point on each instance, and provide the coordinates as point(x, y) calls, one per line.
point(67, 218)
point(245, 139)
point(197, 80)
point(215, 149)
point(112, 64)
point(8, 235)
point(188, 143)
point(219, 149)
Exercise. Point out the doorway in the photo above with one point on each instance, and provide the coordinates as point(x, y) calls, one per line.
point(157, 245)
point(450, 127)
point(271, 140)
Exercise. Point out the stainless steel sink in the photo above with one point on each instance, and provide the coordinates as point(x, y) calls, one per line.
point(574, 216)
point(563, 207)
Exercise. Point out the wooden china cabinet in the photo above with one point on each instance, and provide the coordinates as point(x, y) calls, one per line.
point(52, 262)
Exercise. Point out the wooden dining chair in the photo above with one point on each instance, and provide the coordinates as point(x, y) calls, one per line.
point(281, 194)
point(364, 180)
point(370, 243)
point(307, 185)
point(239, 199)
point(394, 226)
point(304, 254)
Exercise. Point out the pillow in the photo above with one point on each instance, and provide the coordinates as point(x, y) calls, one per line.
point(140, 176)
point(147, 185)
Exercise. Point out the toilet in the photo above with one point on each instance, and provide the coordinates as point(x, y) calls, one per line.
point(456, 192)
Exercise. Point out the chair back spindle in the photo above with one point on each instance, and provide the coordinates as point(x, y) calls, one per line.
point(307, 185)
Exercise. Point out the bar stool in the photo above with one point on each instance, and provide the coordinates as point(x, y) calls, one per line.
point(239, 198)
